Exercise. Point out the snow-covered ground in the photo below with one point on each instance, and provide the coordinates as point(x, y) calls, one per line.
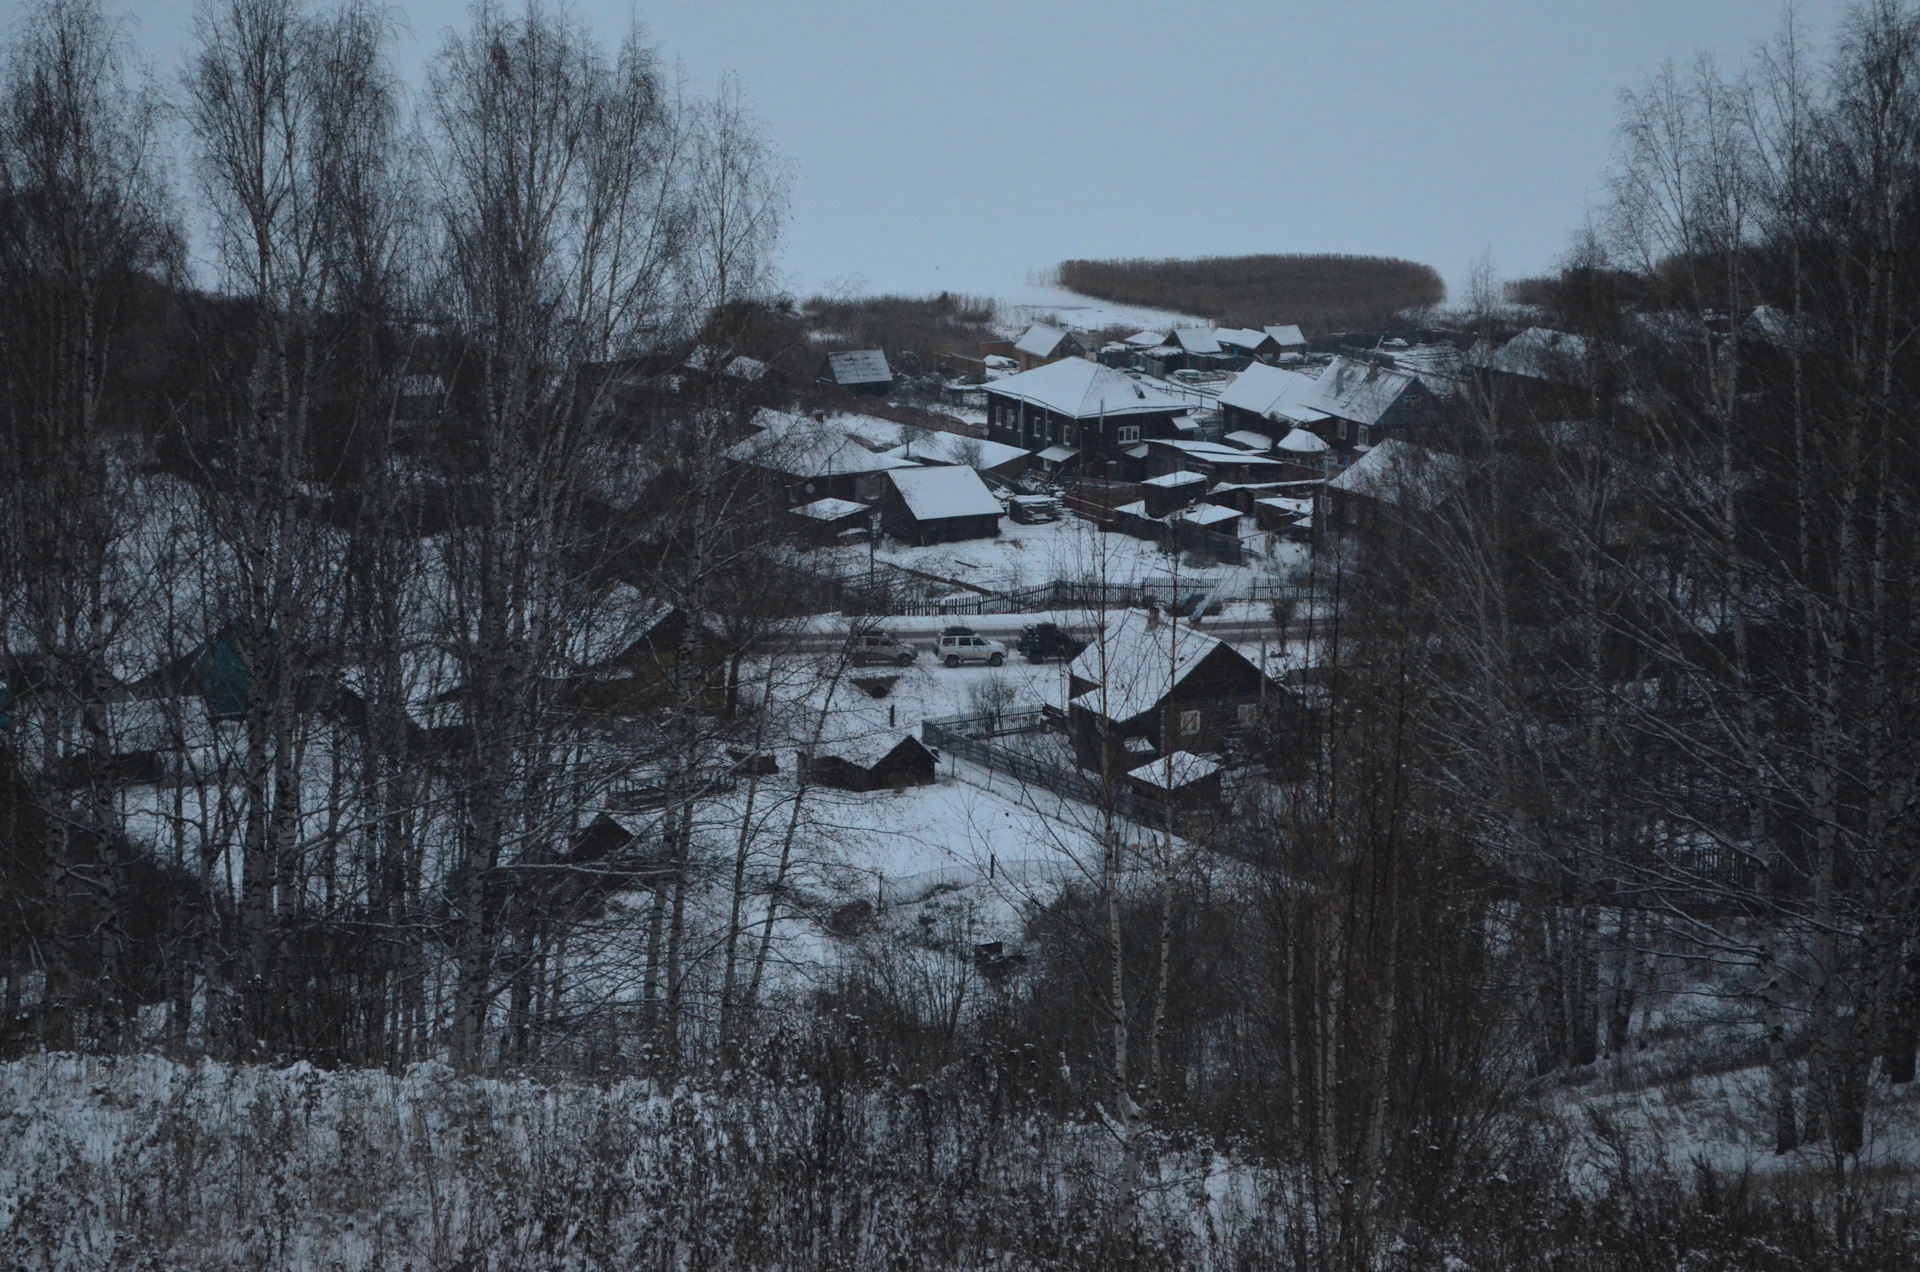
point(1021, 306)
point(1025, 556)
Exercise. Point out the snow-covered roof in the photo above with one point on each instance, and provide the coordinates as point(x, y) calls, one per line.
point(1213, 452)
point(1136, 665)
point(1250, 439)
point(1440, 366)
point(934, 494)
point(1083, 390)
point(1539, 353)
point(1397, 472)
point(859, 366)
point(1269, 391)
point(745, 368)
point(1170, 480)
point(1196, 339)
point(1058, 454)
point(829, 509)
point(1170, 773)
point(1040, 340)
point(801, 446)
point(868, 747)
point(1205, 515)
point(1302, 442)
point(1298, 507)
point(956, 448)
point(1146, 339)
point(1359, 391)
point(1138, 508)
point(1777, 327)
point(1241, 337)
point(1288, 335)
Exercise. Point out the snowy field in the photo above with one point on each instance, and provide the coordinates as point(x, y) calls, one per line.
point(1023, 305)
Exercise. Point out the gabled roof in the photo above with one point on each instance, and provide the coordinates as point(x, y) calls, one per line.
point(1242, 337)
point(1135, 666)
point(1040, 340)
point(859, 366)
point(935, 494)
point(1288, 335)
point(1274, 392)
point(800, 446)
point(1402, 474)
point(1146, 339)
point(1359, 391)
point(1195, 339)
point(1083, 390)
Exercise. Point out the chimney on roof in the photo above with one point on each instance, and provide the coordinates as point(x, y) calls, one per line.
point(820, 416)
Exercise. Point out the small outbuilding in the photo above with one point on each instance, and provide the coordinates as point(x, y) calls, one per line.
point(863, 371)
point(1041, 344)
point(938, 505)
point(869, 763)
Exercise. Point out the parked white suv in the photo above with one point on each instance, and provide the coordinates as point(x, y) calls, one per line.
point(954, 650)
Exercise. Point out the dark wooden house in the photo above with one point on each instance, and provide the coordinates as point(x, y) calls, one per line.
point(1091, 413)
point(1151, 685)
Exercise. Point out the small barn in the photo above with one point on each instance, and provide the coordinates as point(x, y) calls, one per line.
point(1248, 343)
point(1288, 338)
point(1041, 344)
point(877, 761)
point(863, 371)
point(938, 505)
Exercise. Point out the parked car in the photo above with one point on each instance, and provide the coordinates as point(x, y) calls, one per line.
point(1041, 641)
point(1034, 509)
point(871, 648)
point(955, 650)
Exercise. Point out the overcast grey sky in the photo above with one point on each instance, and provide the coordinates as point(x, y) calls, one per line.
point(968, 144)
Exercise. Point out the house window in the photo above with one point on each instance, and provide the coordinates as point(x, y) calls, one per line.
point(1189, 722)
point(1129, 433)
point(1343, 430)
point(1249, 714)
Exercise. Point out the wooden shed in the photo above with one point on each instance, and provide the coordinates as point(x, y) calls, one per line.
point(870, 763)
point(938, 505)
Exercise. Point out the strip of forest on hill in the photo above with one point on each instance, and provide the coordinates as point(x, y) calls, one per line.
point(1320, 292)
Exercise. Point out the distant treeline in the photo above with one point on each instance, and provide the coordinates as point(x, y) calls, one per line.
point(1320, 292)
point(922, 325)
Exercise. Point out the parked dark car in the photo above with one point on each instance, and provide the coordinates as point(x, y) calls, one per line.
point(1041, 641)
